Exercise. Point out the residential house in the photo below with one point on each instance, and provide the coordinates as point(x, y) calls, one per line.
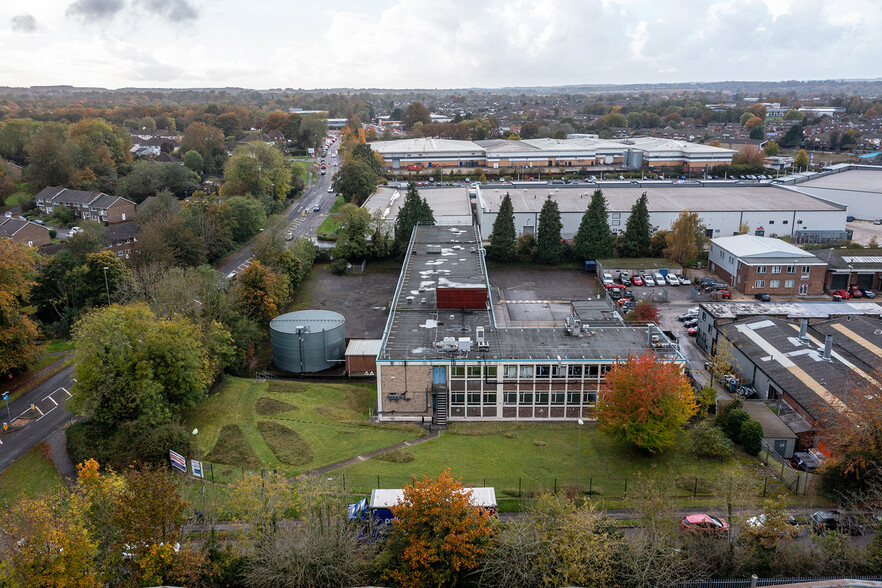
point(122, 239)
point(755, 264)
point(24, 231)
point(96, 206)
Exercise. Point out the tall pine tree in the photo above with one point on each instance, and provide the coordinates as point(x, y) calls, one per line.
point(636, 241)
point(414, 210)
point(502, 239)
point(548, 235)
point(594, 239)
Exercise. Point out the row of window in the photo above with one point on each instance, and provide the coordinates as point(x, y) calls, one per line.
point(773, 284)
point(513, 372)
point(525, 398)
point(776, 269)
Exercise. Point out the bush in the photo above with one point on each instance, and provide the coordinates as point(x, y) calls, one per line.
point(725, 409)
point(751, 436)
point(339, 267)
point(52, 233)
point(526, 248)
point(710, 442)
point(734, 421)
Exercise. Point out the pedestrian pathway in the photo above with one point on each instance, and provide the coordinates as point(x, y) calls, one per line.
point(57, 443)
point(365, 456)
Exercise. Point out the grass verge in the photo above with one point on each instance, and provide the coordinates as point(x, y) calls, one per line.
point(232, 448)
point(267, 406)
point(31, 475)
point(288, 446)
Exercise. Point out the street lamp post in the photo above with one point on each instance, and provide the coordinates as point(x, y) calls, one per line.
point(579, 452)
point(198, 456)
point(6, 399)
point(106, 286)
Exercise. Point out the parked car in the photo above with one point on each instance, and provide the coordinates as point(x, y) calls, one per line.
point(824, 521)
point(684, 280)
point(849, 219)
point(704, 523)
point(841, 293)
point(607, 279)
point(316, 208)
point(659, 279)
point(762, 296)
point(625, 279)
point(691, 323)
point(855, 292)
point(692, 331)
point(868, 293)
point(878, 221)
point(636, 280)
point(672, 280)
point(648, 281)
point(724, 294)
point(687, 315)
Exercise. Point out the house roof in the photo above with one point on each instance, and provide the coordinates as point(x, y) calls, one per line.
point(75, 196)
point(773, 427)
point(10, 226)
point(370, 347)
point(103, 201)
point(49, 192)
point(120, 231)
point(747, 246)
point(852, 259)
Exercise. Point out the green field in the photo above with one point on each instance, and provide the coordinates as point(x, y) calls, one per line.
point(30, 475)
point(290, 426)
point(530, 456)
point(15, 199)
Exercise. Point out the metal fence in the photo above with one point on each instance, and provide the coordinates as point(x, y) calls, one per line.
point(750, 582)
point(798, 481)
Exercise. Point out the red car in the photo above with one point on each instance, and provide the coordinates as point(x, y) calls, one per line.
point(724, 294)
point(692, 331)
point(704, 523)
point(636, 281)
point(842, 294)
point(855, 292)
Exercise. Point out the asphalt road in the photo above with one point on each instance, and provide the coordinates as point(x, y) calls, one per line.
point(49, 413)
point(302, 219)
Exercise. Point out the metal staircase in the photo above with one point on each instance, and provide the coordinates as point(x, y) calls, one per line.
point(440, 420)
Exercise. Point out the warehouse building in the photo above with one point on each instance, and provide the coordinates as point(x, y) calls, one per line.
point(632, 153)
point(443, 356)
point(858, 187)
point(852, 267)
point(767, 210)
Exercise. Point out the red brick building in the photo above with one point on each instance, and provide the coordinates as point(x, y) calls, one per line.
point(24, 231)
point(96, 206)
point(755, 264)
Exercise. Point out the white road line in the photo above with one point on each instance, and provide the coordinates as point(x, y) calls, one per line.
point(42, 414)
point(37, 408)
point(52, 399)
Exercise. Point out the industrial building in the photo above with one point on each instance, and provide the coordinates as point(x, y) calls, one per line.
point(308, 341)
point(858, 187)
point(632, 153)
point(852, 267)
point(444, 357)
point(767, 210)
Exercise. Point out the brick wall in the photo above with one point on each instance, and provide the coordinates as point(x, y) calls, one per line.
point(748, 275)
point(412, 381)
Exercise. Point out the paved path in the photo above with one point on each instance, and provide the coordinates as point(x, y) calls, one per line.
point(57, 442)
point(359, 458)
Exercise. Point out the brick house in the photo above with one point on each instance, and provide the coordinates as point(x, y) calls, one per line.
point(754, 264)
point(24, 232)
point(96, 206)
point(122, 239)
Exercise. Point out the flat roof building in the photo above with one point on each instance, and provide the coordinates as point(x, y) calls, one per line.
point(443, 356)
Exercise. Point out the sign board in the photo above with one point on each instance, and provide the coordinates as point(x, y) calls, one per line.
point(311, 150)
point(178, 461)
point(197, 468)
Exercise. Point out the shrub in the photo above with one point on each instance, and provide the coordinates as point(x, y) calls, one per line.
point(751, 436)
point(733, 424)
point(52, 233)
point(339, 267)
point(710, 442)
point(725, 409)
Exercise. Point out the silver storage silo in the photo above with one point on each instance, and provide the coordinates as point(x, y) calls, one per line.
point(308, 341)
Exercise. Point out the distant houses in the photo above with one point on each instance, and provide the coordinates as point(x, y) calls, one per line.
point(96, 206)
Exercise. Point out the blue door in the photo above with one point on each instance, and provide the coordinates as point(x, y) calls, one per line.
point(439, 375)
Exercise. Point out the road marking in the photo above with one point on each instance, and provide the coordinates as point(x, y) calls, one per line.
point(37, 408)
point(52, 399)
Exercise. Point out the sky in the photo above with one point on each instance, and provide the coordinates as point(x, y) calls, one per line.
point(433, 44)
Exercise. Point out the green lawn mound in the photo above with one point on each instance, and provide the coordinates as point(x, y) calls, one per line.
point(233, 449)
point(279, 386)
point(397, 456)
point(267, 406)
point(287, 445)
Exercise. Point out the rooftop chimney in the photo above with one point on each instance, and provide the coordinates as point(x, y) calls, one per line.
point(803, 327)
point(828, 348)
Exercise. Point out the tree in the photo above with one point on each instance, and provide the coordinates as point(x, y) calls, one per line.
point(594, 239)
point(749, 155)
point(149, 178)
point(353, 223)
point(529, 130)
point(751, 436)
point(262, 291)
point(257, 169)
point(801, 160)
point(230, 124)
point(636, 240)
point(355, 181)
point(247, 216)
point(18, 333)
point(643, 312)
point(526, 248)
point(771, 149)
point(710, 442)
point(548, 234)
point(414, 211)
point(261, 500)
point(743, 228)
point(438, 536)
point(414, 113)
point(794, 115)
point(49, 159)
point(194, 161)
point(793, 137)
point(502, 239)
point(130, 365)
point(557, 543)
point(686, 238)
point(645, 401)
point(209, 142)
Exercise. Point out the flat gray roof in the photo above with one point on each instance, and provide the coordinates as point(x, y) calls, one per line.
point(820, 309)
point(416, 327)
point(860, 180)
point(772, 425)
point(660, 199)
point(442, 201)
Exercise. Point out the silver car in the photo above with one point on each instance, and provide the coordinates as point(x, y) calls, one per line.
point(648, 281)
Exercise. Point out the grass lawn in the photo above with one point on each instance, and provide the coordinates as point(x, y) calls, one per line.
point(338, 204)
point(15, 198)
point(290, 426)
point(32, 474)
point(57, 345)
point(537, 456)
point(328, 229)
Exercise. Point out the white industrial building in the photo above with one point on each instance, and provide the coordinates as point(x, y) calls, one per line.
point(857, 187)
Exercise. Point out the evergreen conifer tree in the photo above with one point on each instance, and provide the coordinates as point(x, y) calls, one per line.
point(548, 234)
point(594, 239)
point(502, 239)
point(637, 238)
point(414, 210)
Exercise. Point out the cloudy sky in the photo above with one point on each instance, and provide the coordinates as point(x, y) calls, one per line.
point(432, 44)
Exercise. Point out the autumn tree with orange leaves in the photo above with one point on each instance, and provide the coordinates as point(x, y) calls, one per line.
point(645, 401)
point(18, 265)
point(438, 536)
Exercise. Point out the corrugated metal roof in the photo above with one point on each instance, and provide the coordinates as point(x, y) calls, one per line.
point(370, 347)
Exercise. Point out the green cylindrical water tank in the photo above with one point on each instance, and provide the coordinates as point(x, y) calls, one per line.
point(308, 341)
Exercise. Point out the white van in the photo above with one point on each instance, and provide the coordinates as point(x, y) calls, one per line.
point(659, 279)
point(607, 280)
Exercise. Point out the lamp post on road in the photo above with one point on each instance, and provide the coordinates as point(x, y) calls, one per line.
point(6, 399)
point(198, 456)
point(579, 452)
point(106, 286)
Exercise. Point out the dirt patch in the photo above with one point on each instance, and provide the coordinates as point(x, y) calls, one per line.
point(232, 448)
point(287, 444)
point(266, 406)
point(397, 456)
